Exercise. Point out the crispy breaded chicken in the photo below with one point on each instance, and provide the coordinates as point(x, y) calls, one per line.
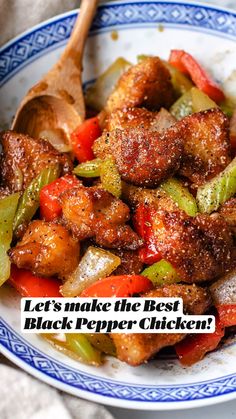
point(206, 144)
point(200, 248)
point(95, 213)
point(228, 212)
point(4, 191)
point(136, 348)
point(24, 157)
point(46, 249)
point(146, 84)
point(196, 300)
point(139, 117)
point(130, 262)
point(143, 157)
point(135, 195)
point(141, 154)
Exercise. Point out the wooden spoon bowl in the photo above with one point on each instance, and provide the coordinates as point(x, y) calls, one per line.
point(54, 107)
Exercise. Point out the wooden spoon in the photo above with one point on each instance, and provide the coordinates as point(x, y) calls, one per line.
point(54, 107)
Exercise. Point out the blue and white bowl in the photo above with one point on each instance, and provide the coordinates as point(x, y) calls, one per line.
point(208, 33)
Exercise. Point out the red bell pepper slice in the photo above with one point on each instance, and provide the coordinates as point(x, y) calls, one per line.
point(83, 137)
point(30, 285)
point(188, 65)
point(50, 207)
point(227, 314)
point(118, 286)
point(193, 348)
point(175, 60)
point(149, 253)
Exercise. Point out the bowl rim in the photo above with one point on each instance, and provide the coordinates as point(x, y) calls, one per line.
point(9, 46)
point(40, 365)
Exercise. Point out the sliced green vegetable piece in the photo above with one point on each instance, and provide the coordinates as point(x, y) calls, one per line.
point(110, 178)
point(180, 82)
point(142, 57)
point(88, 169)
point(78, 343)
point(8, 207)
point(200, 101)
point(75, 347)
point(97, 94)
point(161, 273)
point(194, 100)
point(102, 342)
point(217, 190)
point(29, 202)
point(181, 195)
point(95, 264)
point(228, 107)
point(183, 106)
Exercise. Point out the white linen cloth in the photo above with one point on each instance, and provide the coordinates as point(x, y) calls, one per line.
point(22, 396)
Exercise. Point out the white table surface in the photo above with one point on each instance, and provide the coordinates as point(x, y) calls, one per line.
point(218, 411)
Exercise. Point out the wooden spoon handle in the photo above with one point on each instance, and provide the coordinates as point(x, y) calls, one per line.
point(76, 43)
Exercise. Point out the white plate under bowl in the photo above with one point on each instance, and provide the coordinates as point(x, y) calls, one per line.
point(144, 27)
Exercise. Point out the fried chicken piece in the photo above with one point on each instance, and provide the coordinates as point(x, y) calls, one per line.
point(46, 249)
point(147, 84)
point(95, 213)
point(4, 191)
point(200, 248)
point(77, 210)
point(136, 348)
point(130, 118)
point(139, 118)
point(143, 158)
point(130, 262)
point(206, 144)
point(140, 153)
point(135, 195)
point(23, 158)
point(118, 237)
point(228, 212)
